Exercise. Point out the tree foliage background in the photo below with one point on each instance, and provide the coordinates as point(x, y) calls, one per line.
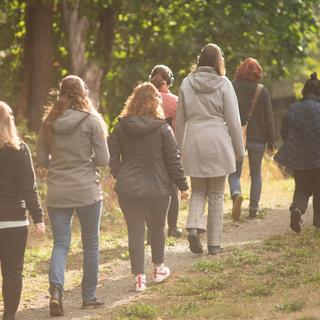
point(114, 44)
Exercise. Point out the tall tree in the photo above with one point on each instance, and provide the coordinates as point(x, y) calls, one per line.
point(77, 27)
point(38, 60)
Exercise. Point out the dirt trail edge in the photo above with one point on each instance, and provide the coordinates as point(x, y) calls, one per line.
point(116, 286)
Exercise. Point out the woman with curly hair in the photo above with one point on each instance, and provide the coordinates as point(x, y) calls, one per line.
point(145, 160)
point(72, 144)
point(18, 193)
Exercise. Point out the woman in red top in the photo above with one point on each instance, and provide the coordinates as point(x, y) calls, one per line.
point(162, 78)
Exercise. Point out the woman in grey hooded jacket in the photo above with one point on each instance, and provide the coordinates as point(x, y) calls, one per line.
point(209, 134)
point(72, 144)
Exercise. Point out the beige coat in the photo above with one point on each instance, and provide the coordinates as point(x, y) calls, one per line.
point(208, 128)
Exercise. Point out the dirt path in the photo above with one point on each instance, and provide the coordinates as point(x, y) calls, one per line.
point(116, 285)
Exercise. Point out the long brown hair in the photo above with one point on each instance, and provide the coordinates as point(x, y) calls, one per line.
point(9, 136)
point(211, 55)
point(72, 94)
point(160, 75)
point(145, 100)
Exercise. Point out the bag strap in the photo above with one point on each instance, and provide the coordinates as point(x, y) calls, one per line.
point(254, 100)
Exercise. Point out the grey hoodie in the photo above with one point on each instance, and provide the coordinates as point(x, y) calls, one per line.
point(78, 147)
point(208, 128)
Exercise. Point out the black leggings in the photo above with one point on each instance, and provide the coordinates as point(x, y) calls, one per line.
point(12, 248)
point(307, 184)
point(136, 211)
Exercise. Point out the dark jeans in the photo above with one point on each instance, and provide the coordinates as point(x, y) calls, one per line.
point(307, 184)
point(255, 155)
point(136, 211)
point(12, 247)
point(173, 208)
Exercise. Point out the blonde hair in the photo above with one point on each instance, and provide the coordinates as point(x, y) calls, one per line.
point(145, 100)
point(211, 55)
point(9, 136)
point(72, 94)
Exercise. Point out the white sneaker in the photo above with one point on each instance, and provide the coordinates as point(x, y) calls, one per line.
point(160, 273)
point(140, 283)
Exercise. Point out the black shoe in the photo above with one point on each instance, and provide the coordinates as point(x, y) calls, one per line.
point(94, 303)
point(175, 232)
point(194, 241)
point(9, 316)
point(55, 305)
point(213, 250)
point(252, 214)
point(295, 220)
point(236, 208)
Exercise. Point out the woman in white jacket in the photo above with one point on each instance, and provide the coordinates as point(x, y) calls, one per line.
point(209, 134)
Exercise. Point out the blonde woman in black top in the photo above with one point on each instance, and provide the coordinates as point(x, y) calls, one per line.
point(17, 193)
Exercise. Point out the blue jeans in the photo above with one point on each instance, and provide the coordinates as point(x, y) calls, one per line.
point(61, 220)
point(255, 155)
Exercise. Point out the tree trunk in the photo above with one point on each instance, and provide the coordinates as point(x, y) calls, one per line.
point(38, 60)
point(77, 28)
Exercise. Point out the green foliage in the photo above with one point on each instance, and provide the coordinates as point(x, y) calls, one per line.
point(138, 311)
point(290, 306)
point(277, 32)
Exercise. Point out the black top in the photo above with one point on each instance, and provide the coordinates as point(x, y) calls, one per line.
point(144, 158)
point(261, 126)
point(301, 135)
point(18, 190)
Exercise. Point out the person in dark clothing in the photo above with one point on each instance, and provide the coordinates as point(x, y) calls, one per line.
point(162, 78)
point(301, 152)
point(260, 133)
point(145, 160)
point(18, 193)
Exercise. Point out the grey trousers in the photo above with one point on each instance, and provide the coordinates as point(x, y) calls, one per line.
point(136, 211)
point(213, 189)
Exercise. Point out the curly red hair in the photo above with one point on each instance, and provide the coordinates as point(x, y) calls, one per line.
point(249, 69)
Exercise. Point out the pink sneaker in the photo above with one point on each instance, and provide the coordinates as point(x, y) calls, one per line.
point(160, 273)
point(140, 283)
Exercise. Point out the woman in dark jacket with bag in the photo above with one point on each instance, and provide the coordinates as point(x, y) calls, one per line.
point(260, 132)
point(18, 192)
point(301, 152)
point(145, 160)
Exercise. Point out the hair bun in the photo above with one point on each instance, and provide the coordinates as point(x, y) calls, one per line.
point(314, 76)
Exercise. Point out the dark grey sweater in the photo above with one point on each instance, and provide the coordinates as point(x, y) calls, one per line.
point(261, 126)
point(17, 186)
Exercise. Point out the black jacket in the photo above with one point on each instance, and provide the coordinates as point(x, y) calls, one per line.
point(144, 158)
point(301, 136)
point(17, 186)
point(261, 126)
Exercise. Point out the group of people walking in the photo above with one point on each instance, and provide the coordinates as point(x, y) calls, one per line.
point(158, 141)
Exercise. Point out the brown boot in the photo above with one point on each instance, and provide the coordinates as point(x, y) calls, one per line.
point(236, 208)
point(55, 305)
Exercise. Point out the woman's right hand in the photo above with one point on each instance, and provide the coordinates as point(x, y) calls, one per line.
point(184, 195)
point(40, 228)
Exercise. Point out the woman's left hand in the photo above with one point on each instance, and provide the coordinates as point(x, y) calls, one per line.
point(40, 228)
point(184, 195)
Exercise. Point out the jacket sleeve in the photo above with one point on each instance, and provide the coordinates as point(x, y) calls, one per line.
point(99, 144)
point(42, 152)
point(284, 127)
point(115, 151)
point(232, 119)
point(27, 185)
point(269, 120)
point(180, 120)
point(172, 158)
